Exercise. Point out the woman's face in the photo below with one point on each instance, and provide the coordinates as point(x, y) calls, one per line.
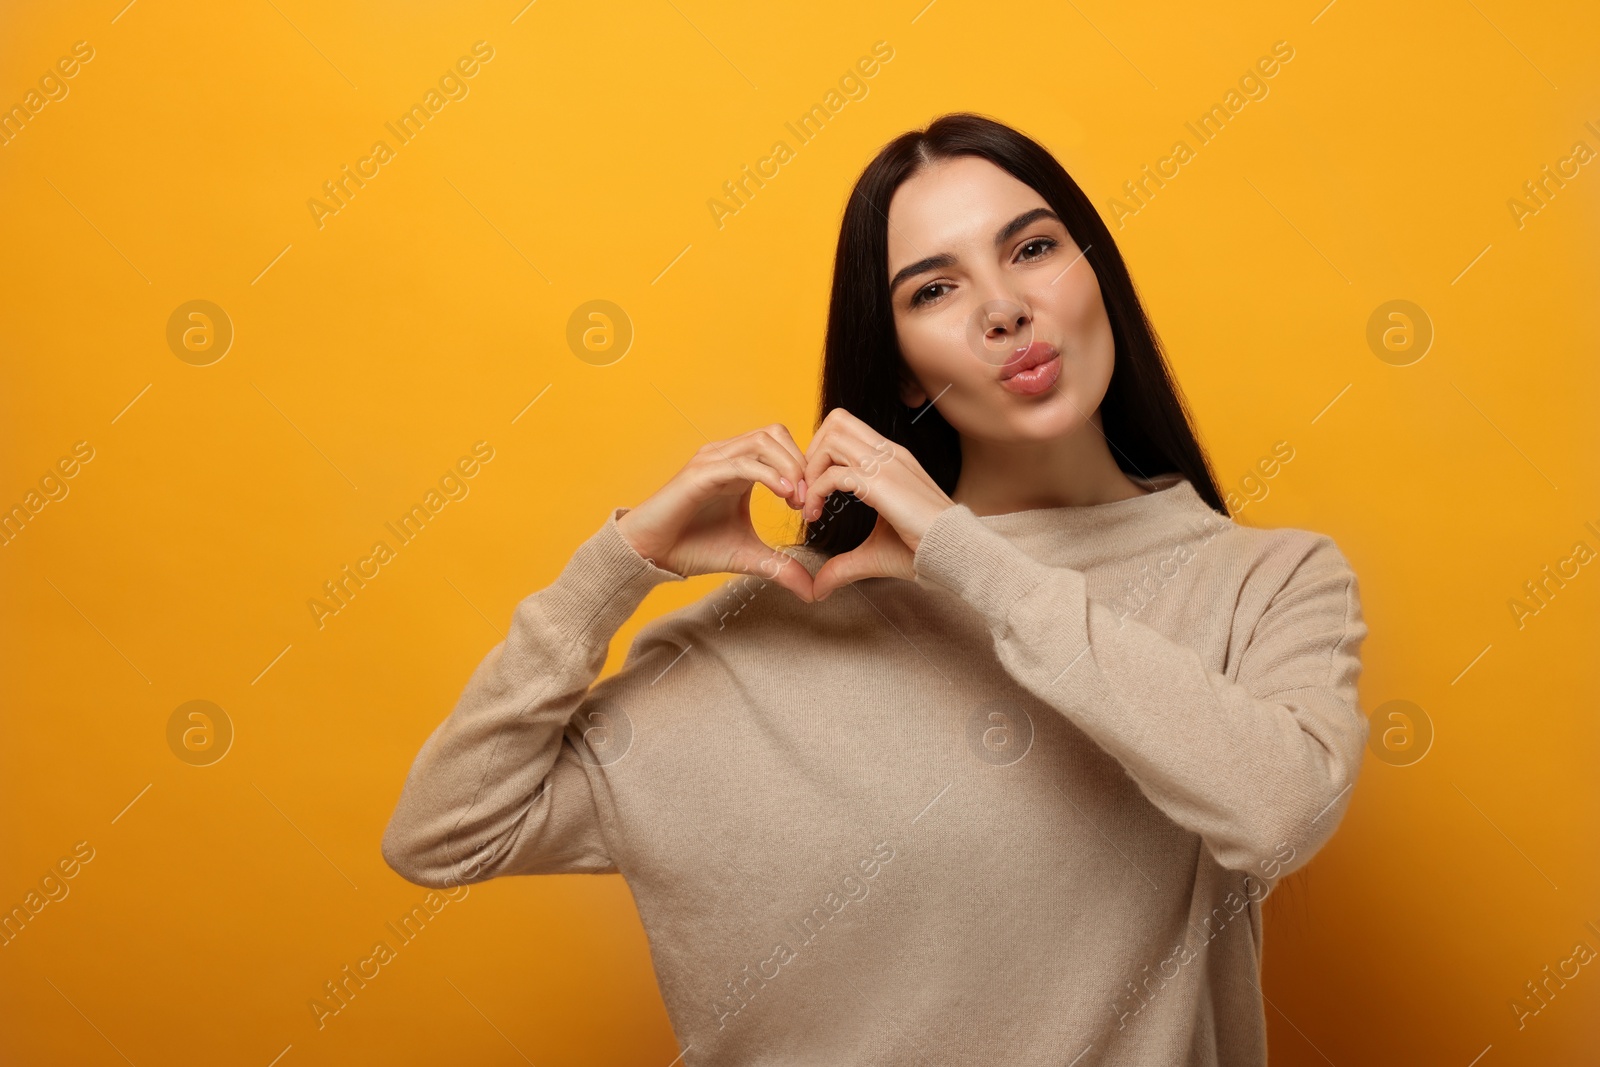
point(985, 280)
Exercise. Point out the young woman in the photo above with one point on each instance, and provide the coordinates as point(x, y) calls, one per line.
point(997, 762)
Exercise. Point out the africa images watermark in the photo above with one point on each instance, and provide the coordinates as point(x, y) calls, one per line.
point(1550, 982)
point(53, 486)
point(1252, 487)
point(340, 993)
point(1538, 192)
point(52, 87)
point(1552, 578)
point(1135, 596)
point(1232, 905)
point(855, 889)
point(1252, 85)
point(452, 486)
point(852, 86)
point(53, 889)
point(452, 86)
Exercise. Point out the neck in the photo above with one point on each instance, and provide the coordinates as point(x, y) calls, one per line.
point(1074, 470)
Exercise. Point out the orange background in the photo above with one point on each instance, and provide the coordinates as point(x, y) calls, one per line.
point(431, 310)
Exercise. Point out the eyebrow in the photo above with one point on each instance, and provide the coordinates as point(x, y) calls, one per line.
point(945, 259)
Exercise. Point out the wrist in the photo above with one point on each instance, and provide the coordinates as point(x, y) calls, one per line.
point(913, 540)
point(642, 548)
point(625, 526)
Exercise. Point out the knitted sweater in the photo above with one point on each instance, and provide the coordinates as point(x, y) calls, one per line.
point(1020, 810)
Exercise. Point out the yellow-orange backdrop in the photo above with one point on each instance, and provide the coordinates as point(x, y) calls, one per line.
point(167, 153)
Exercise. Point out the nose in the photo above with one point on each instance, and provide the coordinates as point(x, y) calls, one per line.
point(1004, 320)
point(998, 328)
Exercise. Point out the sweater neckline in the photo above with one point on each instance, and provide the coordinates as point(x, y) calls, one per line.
point(1120, 526)
point(1171, 499)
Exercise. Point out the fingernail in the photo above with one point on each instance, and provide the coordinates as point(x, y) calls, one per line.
point(788, 485)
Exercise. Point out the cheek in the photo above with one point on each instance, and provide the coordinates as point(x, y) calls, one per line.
point(1085, 325)
point(936, 348)
point(1082, 307)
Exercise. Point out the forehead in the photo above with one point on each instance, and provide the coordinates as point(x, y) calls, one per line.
point(956, 206)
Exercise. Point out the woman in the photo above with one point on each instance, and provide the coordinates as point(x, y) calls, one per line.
point(1005, 773)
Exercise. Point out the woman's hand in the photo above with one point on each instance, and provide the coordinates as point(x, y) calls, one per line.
point(699, 522)
point(848, 455)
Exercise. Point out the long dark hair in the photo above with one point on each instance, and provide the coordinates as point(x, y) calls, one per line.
point(1146, 422)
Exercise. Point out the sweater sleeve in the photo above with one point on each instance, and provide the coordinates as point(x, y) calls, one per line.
point(498, 788)
point(1260, 768)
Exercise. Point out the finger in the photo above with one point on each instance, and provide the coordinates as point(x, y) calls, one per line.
point(822, 442)
point(839, 423)
point(840, 571)
point(759, 446)
point(775, 565)
point(816, 453)
point(786, 440)
point(835, 479)
point(779, 451)
point(737, 462)
point(845, 441)
point(827, 451)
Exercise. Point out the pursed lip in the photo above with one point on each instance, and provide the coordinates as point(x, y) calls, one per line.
point(1027, 358)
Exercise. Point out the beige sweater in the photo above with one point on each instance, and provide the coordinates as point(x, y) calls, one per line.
point(1021, 810)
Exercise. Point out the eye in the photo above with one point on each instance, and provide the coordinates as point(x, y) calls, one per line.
point(1045, 244)
point(924, 295)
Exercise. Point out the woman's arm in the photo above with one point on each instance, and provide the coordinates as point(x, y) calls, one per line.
point(497, 789)
point(1255, 767)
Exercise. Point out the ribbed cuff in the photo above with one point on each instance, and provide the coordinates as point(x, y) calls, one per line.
point(977, 564)
point(602, 584)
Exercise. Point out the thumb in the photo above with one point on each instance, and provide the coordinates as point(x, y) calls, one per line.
point(775, 565)
point(841, 570)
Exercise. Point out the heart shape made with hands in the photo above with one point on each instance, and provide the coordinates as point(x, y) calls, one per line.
point(700, 521)
point(882, 555)
point(848, 455)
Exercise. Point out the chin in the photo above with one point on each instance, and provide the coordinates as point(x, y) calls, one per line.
point(1038, 421)
point(1038, 426)
point(1054, 413)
